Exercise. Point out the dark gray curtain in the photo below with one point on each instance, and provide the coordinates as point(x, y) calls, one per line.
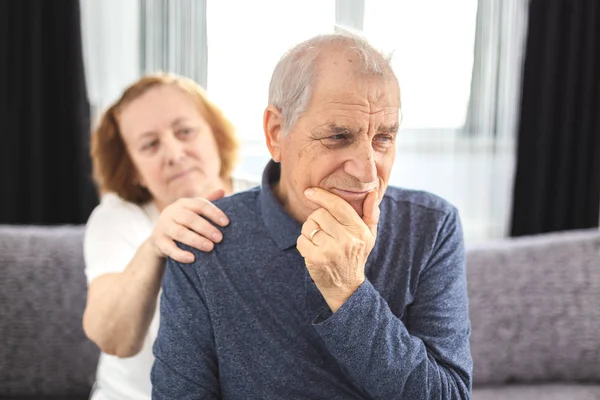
point(557, 184)
point(44, 154)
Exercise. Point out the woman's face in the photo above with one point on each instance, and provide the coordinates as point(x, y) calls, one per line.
point(172, 147)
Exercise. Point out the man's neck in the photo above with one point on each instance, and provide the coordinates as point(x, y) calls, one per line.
point(284, 199)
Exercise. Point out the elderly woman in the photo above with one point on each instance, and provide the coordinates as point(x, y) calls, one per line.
point(161, 154)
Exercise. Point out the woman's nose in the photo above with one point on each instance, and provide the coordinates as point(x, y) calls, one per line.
point(174, 151)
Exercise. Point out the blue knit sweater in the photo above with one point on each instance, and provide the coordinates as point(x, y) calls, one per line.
point(246, 321)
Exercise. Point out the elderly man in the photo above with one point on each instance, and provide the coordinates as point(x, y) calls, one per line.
point(329, 284)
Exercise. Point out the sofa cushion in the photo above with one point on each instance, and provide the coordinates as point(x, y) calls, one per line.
point(535, 308)
point(43, 292)
point(42, 397)
point(538, 392)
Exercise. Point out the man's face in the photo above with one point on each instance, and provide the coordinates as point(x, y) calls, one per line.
point(343, 143)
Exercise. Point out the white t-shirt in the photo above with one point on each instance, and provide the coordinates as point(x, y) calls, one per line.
point(115, 230)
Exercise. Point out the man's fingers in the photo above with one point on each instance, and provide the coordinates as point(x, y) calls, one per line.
point(315, 232)
point(311, 252)
point(309, 226)
point(305, 247)
point(325, 221)
point(207, 209)
point(338, 207)
point(371, 211)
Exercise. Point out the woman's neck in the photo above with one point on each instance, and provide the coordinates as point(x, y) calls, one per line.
point(227, 184)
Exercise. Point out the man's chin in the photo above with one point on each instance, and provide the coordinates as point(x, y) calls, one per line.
point(355, 200)
point(357, 206)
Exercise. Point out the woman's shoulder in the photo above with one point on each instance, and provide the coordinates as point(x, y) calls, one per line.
point(113, 208)
point(113, 233)
point(111, 203)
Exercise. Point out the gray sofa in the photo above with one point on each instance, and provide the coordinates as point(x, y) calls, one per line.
point(44, 353)
point(535, 316)
point(534, 305)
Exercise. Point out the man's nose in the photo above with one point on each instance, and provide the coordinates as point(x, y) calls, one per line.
point(361, 163)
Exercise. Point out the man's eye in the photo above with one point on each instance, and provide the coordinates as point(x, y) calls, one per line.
point(335, 141)
point(340, 137)
point(337, 137)
point(384, 140)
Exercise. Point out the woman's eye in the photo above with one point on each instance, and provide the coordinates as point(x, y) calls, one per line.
point(150, 145)
point(185, 132)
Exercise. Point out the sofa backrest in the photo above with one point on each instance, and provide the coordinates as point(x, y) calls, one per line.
point(43, 349)
point(535, 308)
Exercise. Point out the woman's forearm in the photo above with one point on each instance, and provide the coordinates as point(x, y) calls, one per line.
point(120, 306)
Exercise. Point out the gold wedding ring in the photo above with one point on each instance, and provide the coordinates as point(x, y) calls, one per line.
point(313, 233)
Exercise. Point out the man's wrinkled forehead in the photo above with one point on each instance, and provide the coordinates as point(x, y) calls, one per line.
point(339, 77)
point(377, 97)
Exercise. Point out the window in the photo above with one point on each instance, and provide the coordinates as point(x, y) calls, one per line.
point(245, 41)
point(432, 43)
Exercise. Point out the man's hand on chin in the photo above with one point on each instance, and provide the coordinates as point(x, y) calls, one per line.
point(336, 242)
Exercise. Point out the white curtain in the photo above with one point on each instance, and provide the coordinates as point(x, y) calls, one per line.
point(494, 106)
point(124, 39)
point(174, 37)
point(497, 70)
point(111, 48)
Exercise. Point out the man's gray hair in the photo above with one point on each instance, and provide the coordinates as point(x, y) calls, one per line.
point(294, 76)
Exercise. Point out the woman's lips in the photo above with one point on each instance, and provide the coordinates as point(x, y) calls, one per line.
point(180, 175)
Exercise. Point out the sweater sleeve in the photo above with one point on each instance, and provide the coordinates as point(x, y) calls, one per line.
point(185, 365)
point(426, 358)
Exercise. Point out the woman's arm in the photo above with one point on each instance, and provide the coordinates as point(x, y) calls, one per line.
point(121, 305)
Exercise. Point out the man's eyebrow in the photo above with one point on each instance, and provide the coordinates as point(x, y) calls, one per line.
point(388, 128)
point(343, 130)
point(346, 130)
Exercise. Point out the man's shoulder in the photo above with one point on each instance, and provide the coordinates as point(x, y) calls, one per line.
point(240, 204)
point(244, 215)
point(242, 210)
point(417, 199)
point(411, 223)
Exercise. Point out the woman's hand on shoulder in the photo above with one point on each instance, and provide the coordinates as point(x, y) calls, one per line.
point(187, 221)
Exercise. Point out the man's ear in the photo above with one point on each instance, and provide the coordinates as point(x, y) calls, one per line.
point(273, 127)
